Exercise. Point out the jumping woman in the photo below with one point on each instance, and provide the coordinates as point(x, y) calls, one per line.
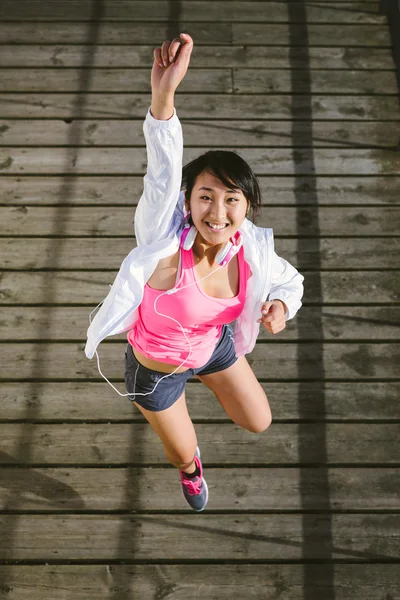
point(199, 265)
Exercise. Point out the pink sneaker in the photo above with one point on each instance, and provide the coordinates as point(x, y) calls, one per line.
point(195, 491)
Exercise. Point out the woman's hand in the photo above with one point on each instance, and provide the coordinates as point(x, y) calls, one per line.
point(171, 63)
point(273, 316)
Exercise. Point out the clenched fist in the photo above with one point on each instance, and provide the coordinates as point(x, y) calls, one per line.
point(273, 316)
point(171, 63)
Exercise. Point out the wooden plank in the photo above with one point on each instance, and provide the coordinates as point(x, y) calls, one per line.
point(329, 323)
point(133, 32)
point(329, 81)
point(317, 35)
point(340, 401)
point(99, 582)
point(62, 489)
point(129, 32)
point(240, 56)
point(222, 444)
point(261, 80)
point(213, 107)
point(69, 287)
point(126, 190)
point(353, 134)
point(222, 537)
point(63, 253)
point(275, 161)
point(118, 221)
point(159, 10)
point(276, 361)
point(121, 80)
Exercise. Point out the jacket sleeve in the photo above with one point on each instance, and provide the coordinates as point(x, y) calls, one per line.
point(161, 194)
point(287, 285)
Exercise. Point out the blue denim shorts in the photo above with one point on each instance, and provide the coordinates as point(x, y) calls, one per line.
point(140, 379)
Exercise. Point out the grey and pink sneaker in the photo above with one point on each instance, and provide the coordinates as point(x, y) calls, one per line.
point(195, 491)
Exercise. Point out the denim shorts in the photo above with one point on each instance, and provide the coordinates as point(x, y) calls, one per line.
point(140, 379)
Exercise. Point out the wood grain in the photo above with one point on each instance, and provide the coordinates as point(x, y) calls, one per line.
point(219, 33)
point(158, 10)
point(222, 444)
point(222, 537)
point(107, 253)
point(340, 57)
point(98, 582)
point(244, 489)
point(92, 402)
point(119, 221)
point(125, 190)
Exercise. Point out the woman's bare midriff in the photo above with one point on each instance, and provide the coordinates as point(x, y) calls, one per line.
point(155, 365)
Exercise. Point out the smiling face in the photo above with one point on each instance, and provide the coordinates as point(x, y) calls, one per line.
point(217, 212)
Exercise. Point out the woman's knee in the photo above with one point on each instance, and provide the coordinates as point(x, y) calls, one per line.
point(261, 424)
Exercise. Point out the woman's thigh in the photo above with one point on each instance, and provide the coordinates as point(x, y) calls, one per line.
point(175, 429)
point(240, 395)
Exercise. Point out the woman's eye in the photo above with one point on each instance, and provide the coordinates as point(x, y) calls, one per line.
point(208, 198)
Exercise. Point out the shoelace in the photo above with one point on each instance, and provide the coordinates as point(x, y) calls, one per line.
point(193, 485)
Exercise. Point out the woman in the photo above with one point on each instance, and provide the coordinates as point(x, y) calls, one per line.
point(199, 265)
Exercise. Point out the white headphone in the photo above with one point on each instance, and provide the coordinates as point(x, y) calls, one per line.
point(226, 253)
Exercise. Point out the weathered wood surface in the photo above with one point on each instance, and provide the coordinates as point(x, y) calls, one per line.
point(341, 57)
point(331, 378)
point(95, 402)
point(102, 253)
point(219, 537)
point(211, 106)
point(222, 444)
point(273, 161)
point(126, 190)
point(329, 323)
point(136, 582)
point(235, 134)
point(247, 489)
point(159, 10)
point(119, 221)
point(217, 34)
point(90, 287)
point(277, 361)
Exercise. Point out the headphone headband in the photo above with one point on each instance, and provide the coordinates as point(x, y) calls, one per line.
point(226, 253)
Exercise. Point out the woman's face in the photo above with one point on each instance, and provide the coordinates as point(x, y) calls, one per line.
point(217, 212)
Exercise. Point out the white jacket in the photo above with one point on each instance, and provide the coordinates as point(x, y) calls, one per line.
point(158, 223)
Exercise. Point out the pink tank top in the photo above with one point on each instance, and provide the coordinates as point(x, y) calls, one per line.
point(200, 315)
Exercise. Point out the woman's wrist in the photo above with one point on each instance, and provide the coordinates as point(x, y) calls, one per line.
point(162, 107)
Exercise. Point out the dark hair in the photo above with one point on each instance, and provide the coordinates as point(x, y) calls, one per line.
point(230, 169)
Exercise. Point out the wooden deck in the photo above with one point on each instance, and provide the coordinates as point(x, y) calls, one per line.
point(310, 510)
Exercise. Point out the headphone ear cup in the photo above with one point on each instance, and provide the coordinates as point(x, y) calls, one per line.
point(228, 251)
point(188, 239)
point(223, 253)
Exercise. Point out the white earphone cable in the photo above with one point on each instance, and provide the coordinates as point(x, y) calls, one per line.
point(173, 290)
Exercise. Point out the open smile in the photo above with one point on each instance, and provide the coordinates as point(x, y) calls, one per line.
point(216, 228)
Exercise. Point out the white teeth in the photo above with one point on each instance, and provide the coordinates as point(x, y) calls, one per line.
point(216, 226)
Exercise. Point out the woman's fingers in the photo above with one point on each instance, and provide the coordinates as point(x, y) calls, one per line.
point(164, 52)
point(174, 48)
point(170, 50)
point(157, 57)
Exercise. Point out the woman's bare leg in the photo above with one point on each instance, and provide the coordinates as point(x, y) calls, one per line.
point(175, 429)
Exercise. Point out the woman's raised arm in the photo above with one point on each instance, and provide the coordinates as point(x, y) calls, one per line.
point(164, 143)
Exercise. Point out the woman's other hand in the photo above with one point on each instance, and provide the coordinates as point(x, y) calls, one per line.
point(171, 63)
point(273, 316)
